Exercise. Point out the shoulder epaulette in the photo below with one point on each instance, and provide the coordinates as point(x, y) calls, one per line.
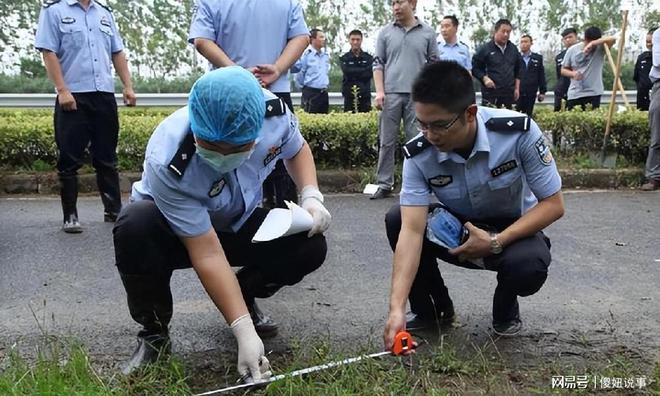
point(275, 107)
point(107, 7)
point(460, 42)
point(181, 159)
point(508, 124)
point(415, 146)
point(49, 3)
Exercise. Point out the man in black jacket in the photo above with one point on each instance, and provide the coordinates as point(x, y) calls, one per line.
point(358, 71)
point(532, 79)
point(641, 75)
point(497, 67)
point(568, 38)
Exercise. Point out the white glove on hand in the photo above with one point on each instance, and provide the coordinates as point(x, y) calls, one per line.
point(312, 201)
point(251, 360)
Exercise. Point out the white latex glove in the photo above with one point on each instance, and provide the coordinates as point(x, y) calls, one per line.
point(252, 364)
point(312, 201)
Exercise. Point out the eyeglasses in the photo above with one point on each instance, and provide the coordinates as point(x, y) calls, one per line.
point(436, 126)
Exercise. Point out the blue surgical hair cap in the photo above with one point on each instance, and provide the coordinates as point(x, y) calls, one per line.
point(227, 105)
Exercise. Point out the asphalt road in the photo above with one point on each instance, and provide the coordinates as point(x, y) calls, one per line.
point(603, 280)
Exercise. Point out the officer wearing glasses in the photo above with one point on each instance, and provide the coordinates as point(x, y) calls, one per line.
point(490, 168)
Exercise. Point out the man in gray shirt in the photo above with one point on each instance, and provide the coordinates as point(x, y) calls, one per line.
point(583, 64)
point(403, 47)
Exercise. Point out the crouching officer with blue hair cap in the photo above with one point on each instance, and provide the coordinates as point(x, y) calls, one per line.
point(492, 170)
point(197, 206)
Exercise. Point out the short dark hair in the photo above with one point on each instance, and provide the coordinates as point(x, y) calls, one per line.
point(314, 32)
point(355, 32)
point(528, 36)
point(454, 20)
point(568, 31)
point(446, 84)
point(652, 30)
point(501, 22)
point(592, 33)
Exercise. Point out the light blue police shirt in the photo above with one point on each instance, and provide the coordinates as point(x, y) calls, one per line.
point(504, 176)
point(312, 68)
point(189, 202)
point(250, 32)
point(458, 52)
point(83, 41)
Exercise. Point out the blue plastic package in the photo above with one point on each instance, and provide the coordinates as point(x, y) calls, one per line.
point(444, 229)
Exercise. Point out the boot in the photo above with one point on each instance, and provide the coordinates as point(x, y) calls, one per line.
point(253, 285)
point(150, 304)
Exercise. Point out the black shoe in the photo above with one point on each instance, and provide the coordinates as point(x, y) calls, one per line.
point(72, 225)
point(418, 322)
point(507, 328)
point(263, 324)
point(381, 193)
point(150, 348)
point(110, 217)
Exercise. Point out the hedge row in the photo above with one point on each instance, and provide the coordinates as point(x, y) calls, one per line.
point(337, 139)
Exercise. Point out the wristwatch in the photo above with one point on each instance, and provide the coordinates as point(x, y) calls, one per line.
point(495, 245)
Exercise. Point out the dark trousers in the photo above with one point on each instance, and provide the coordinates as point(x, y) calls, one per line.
point(497, 100)
point(558, 99)
point(643, 98)
point(594, 101)
point(363, 102)
point(278, 186)
point(315, 100)
point(526, 104)
point(95, 124)
point(146, 248)
point(521, 268)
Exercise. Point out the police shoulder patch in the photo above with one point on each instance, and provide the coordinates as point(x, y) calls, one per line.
point(49, 3)
point(503, 168)
point(273, 152)
point(415, 146)
point(508, 124)
point(181, 159)
point(441, 180)
point(542, 149)
point(275, 107)
point(217, 187)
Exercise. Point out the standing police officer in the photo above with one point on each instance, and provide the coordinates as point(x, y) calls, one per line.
point(224, 33)
point(532, 77)
point(641, 74)
point(313, 68)
point(451, 48)
point(496, 65)
point(197, 206)
point(568, 38)
point(492, 169)
point(79, 40)
point(356, 66)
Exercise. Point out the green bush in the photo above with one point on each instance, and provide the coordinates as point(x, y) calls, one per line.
point(338, 140)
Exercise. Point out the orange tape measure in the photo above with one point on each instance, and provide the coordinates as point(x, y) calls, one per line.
point(403, 342)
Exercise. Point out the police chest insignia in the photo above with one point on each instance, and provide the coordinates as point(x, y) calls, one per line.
point(105, 22)
point(273, 152)
point(441, 180)
point(68, 20)
point(216, 188)
point(503, 168)
point(543, 151)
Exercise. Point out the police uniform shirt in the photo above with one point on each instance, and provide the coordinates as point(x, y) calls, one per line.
point(506, 172)
point(562, 82)
point(83, 41)
point(642, 69)
point(250, 32)
point(458, 52)
point(532, 76)
point(187, 201)
point(313, 68)
point(357, 71)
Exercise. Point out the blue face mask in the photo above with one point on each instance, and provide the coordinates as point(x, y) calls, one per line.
point(223, 163)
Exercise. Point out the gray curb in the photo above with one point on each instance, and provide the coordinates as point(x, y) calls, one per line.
point(348, 181)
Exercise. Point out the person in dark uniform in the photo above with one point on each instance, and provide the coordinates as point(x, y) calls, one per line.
point(79, 42)
point(312, 74)
point(498, 188)
point(532, 80)
point(568, 38)
point(357, 68)
point(497, 66)
point(641, 74)
point(197, 205)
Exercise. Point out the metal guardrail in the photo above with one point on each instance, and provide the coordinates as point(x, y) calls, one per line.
point(181, 99)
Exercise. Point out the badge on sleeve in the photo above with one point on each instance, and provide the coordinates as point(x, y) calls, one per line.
point(217, 187)
point(441, 180)
point(543, 151)
point(273, 152)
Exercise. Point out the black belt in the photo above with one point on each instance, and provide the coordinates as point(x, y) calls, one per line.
point(321, 90)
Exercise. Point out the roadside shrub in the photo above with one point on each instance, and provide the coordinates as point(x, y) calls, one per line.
point(338, 140)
